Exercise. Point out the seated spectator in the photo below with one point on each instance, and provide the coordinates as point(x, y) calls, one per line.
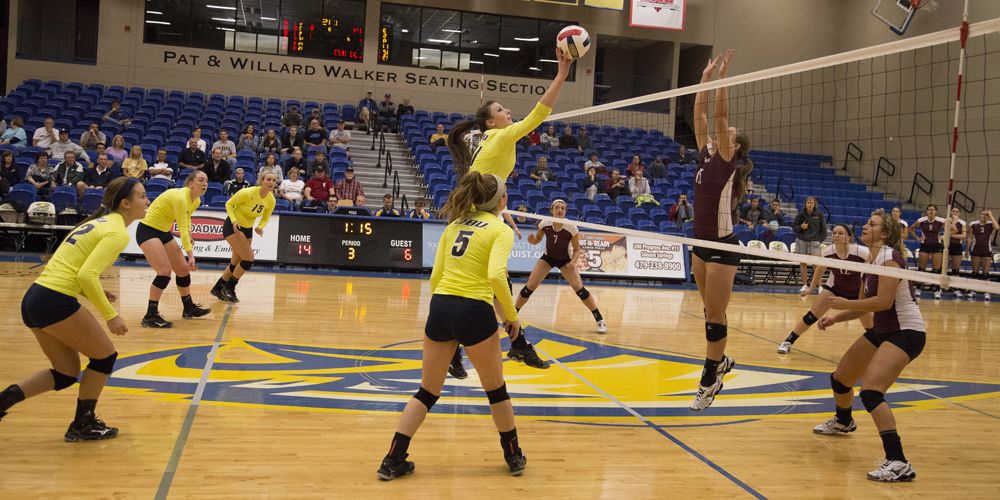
point(117, 151)
point(99, 150)
point(249, 140)
point(318, 189)
point(419, 211)
point(314, 115)
point(387, 114)
point(60, 147)
point(349, 188)
point(615, 185)
point(404, 109)
point(217, 169)
point(583, 139)
point(292, 117)
point(591, 184)
point(3, 125)
point(46, 135)
point(531, 139)
point(92, 137)
point(238, 182)
point(296, 161)
point(658, 170)
point(638, 185)
point(439, 138)
point(567, 140)
point(549, 139)
point(192, 157)
point(682, 155)
point(227, 147)
point(202, 145)
point(367, 111)
point(41, 175)
point(753, 214)
point(70, 173)
point(271, 165)
point(270, 143)
point(116, 115)
point(596, 164)
point(9, 176)
point(520, 219)
point(315, 135)
point(635, 165)
point(541, 172)
point(292, 140)
point(387, 209)
point(135, 165)
point(291, 189)
point(681, 211)
point(318, 161)
point(15, 135)
point(775, 214)
point(100, 175)
point(331, 205)
point(340, 138)
point(162, 168)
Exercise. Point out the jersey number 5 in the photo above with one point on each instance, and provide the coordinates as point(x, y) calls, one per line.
point(461, 243)
point(84, 229)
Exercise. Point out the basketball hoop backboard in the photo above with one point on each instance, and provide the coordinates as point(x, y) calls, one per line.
point(897, 14)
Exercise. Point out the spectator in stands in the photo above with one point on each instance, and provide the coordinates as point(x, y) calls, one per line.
point(349, 188)
point(70, 173)
point(331, 205)
point(92, 137)
point(271, 165)
point(15, 135)
point(530, 139)
point(45, 136)
point(367, 111)
point(248, 139)
point(3, 125)
point(192, 157)
point(596, 164)
point(753, 213)
point(162, 168)
point(291, 141)
point(318, 189)
point(638, 186)
point(227, 147)
point(135, 165)
point(387, 114)
point(117, 151)
point(615, 185)
point(9, 176)
point(315, 135)
point(315, 115)
point(520, 219)
point(238, 182)
point(116, 115)
point(387, 209)
point(100, 174)
point(404, 109)
point(591, 184)
point(60, 147)
point(810, 231)
point(681, 211)
point(419, 210)
point(269, 143)
point(41, 175)
point(296, 161)
point(340, 138)
point(541, 172)
point(567, 140)
point(583, 139)
point(292, 117)
point(658, 170)
point(291, 189)
point(202, 145)
point(682, 155)
point(549, 139)
point(775, 213)
point(439, 138)
point(318, 161)
point(636, 165)
point(100, 149)
point(217, 168)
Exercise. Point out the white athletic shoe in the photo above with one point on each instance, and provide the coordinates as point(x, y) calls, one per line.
point(602, 327)
point(986, 297)
point(937, 295)
point(958, 294)
point(832, 426)
point(892, 471)
point(784, 347)
point(706, 395)
point(805, 288)
point(971, 296)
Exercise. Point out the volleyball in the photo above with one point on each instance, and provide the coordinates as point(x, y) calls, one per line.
point(574, 41)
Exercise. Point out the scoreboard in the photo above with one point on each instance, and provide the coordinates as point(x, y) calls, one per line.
point(351, 242)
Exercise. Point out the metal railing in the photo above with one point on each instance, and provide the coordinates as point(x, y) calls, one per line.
point(377, 135)
point(879, 169)
point(850, 154)
point(388, 167)
point(788, 193)
point(395, 185)
point(822, 206)
point(926, 190)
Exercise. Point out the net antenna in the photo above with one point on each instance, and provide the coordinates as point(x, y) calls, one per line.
point(897, 14)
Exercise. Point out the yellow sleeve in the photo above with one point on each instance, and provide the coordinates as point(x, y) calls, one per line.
point(517, 130)
point(499, 254)
point(89, 275)
point(233, 201)
point(267, 211)
point(438, 270)
point(183, 219)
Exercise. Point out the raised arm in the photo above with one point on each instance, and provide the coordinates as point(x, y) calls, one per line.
point(701, 106)
point(722, 133)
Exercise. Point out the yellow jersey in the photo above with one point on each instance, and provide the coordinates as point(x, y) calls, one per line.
point(173, 205)
point(246, 205)
point(471, 261)
point(77, 264)
point(496, 153)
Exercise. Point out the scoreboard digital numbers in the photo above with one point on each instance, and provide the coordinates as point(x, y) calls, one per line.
point(350, 242)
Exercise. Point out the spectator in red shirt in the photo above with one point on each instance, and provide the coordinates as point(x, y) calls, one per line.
point(616, 186)
point(319, 189)
point(350, 188)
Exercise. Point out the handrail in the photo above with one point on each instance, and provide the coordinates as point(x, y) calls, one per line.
point(388, 167)
point(395, 185)
point(857, 157)
point(915, 185)
point(375, 134)
point(879, 168)
point(779, 193)
point(968, 205)
point(825, 208)
point(404, 205)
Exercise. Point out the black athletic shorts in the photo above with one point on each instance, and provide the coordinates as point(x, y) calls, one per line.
point(469, 321)
point(988, 254)
point(910, 341)
point(931, 247)
point(711, 256)
point(228, 230)
point(144, 233)
point(838, 293)
point(556, 263)
point(955, 249)
point(42, 306)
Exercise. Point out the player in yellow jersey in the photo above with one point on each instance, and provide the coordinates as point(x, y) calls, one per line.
point(496, 154)
point(157, 244)
point(470, 269)
point(63, 329)
point(243, 208)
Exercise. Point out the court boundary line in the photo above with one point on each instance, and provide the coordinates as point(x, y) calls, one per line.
point(175, 456)
point(749, 489)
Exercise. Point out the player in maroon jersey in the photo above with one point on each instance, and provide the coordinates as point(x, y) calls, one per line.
point(980, 248)
point(931, 247)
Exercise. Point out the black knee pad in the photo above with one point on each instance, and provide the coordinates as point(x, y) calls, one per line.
point(161, 281)
point(715, 332)
point(232, 268)
point(425, 397)
point(526, 292)
point(871, 399)
point(810, 319)
point(62, 381)
point(838, 387)
point(184, 281)
point(246, 265)
point(498, 395)
point(583, 293)
point(105, 365)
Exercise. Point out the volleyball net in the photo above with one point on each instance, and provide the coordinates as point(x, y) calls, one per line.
point(871, 128)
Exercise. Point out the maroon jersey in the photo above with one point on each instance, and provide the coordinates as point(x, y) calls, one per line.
point(904, 313)
point(558, 244)
point(957, 229)
point(931, 229)
point(713, 195)
point(982, 235)
point(841, 282)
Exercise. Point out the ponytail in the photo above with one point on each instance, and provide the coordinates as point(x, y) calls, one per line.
point(744, 165)
point(473, 189)
point(460, 154)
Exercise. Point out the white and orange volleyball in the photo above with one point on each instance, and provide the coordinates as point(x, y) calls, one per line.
point(574, 41)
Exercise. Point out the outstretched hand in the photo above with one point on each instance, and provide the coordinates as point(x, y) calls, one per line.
point(564, 63)
point(710, 68)
point(724, 65)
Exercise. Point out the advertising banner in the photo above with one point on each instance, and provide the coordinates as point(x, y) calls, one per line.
point(662, 14)
point(206, 235)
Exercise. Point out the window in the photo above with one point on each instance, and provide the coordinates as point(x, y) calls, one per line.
point(468, 41)
point(70, 37)
point(321, 29)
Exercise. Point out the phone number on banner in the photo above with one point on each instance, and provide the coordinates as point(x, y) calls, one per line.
point(621, 255)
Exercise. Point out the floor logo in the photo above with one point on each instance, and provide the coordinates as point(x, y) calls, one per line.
point(654, 384)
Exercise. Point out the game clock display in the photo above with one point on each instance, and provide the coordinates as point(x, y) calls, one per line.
point(351, 242)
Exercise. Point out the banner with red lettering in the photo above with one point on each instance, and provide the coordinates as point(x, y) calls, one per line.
point(660, 14)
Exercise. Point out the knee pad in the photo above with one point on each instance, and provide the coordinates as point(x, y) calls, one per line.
point(498, 395)
point(810, 319)
point(246, 265)
point(871, 399)
point(838, 387)
point(62, 381)
point(425, 397)
point(583, 293)
point(105, 365)
point(715, 332)
point(184, 281)
point(161, 282)
point(526, 292)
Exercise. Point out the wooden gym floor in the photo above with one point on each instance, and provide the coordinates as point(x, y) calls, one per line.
point(311, 370)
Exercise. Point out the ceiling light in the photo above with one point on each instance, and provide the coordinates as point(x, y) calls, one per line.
point(262, 18)
point(221, 7)
point(510, 49)
point(532, 68)
point(535, 39)
point(404, 30)
point(475, 62)
point(157, 22)
point(224, 19)
point(548, 60)
point(437, 40)
point(491, 55)
point(154, 12)
point(224, 29)
point(451, 31)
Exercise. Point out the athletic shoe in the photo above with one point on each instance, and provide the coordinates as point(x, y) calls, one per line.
point(832, 426)
point(2, 415)
point(195, 311)
point(458, 371)
point(155, 321)
point(231, 295)
point(958, 294)
point(706, 395)
point(527, 356)
point(971, 296)
point(391, 469)
point(602, 327)
point(804, 289)
point(516, 464)
point(93, 430)
point(725, 366)
point(893, 471)
point(986, 297)
point(937, 295)
point(218, 291)
point(784, 347)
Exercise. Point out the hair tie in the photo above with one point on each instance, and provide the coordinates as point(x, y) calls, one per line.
point(491, 204)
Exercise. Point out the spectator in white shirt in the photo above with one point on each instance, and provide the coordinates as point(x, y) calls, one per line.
point(64, 145)
point(45, 136)
point(341, 137)
point(227, 147)
point(291, 188)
